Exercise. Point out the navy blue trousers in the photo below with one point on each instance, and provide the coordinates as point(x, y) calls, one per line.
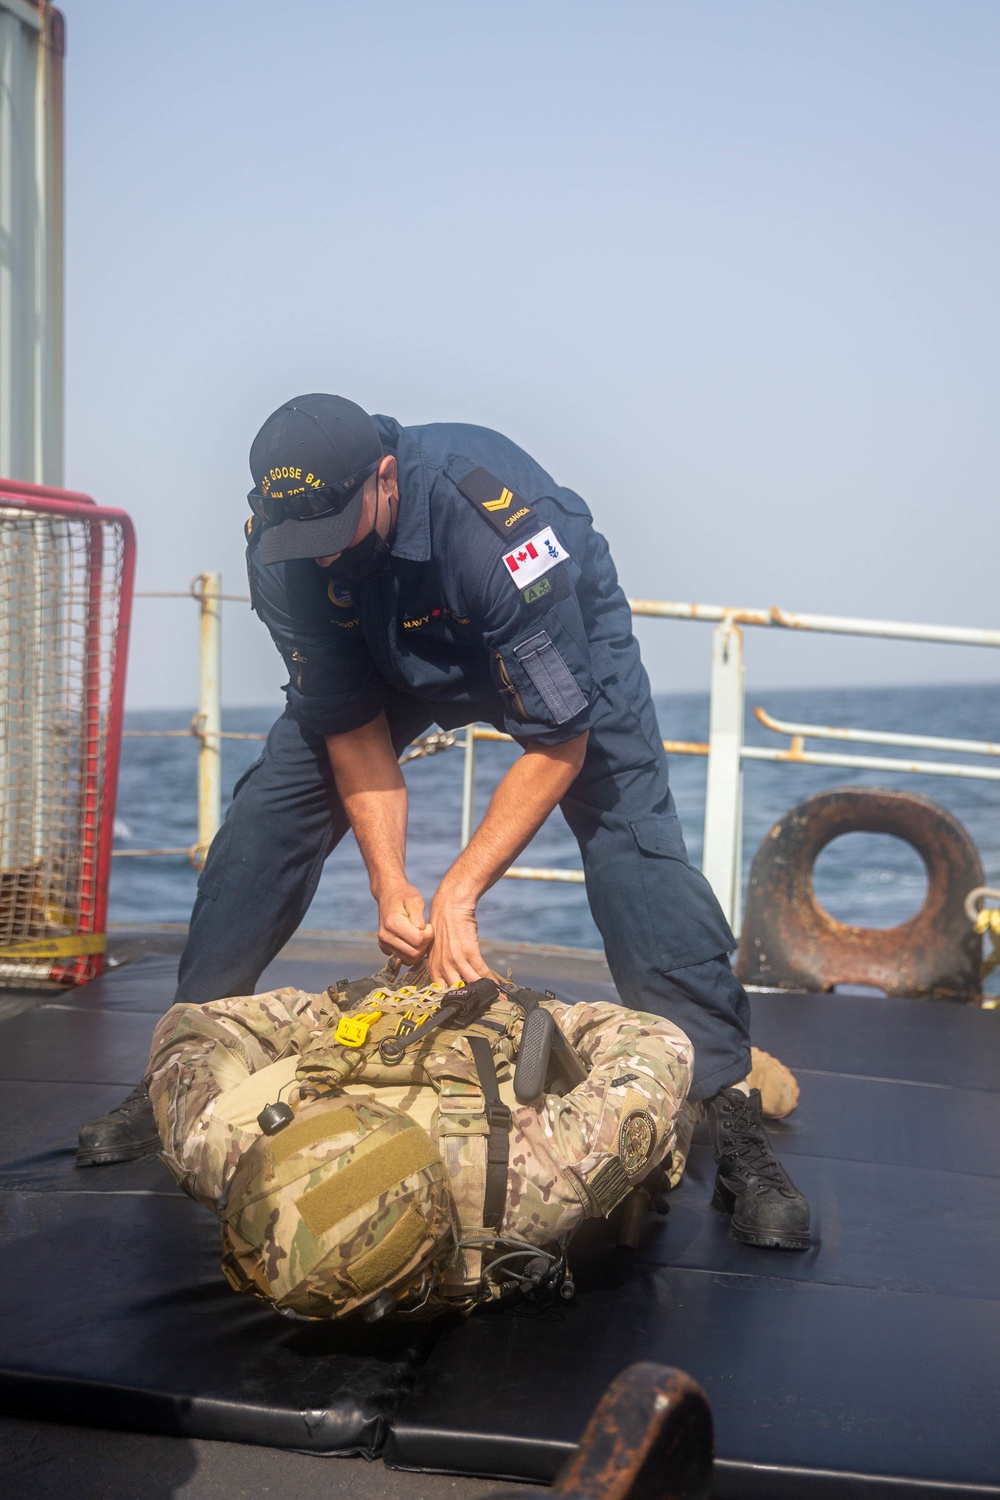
point(664, 934)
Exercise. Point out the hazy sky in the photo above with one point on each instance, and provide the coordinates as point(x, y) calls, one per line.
point(728, 268)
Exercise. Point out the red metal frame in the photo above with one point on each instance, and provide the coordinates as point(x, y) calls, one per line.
point(96, 862)
point(21, 488)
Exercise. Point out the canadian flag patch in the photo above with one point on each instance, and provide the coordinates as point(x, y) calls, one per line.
point(530, 559)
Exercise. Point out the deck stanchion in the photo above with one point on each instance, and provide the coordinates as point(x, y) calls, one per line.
point(207, 588)
point(468, 783)
point(724, 790)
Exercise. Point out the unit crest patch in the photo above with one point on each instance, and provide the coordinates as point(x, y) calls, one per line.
point(339, 596)
point(636, 1140)
point(495, 501)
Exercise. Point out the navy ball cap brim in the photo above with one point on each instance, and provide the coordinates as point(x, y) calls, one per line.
point(321, 536)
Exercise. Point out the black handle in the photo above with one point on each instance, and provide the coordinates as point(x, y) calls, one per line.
point(534, 1055)
point(565, 1068)
point(458, 1007)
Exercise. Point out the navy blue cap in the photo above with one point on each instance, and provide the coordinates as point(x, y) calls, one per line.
point(309, 463)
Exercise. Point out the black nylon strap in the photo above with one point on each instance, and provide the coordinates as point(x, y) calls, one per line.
point(498, 1146)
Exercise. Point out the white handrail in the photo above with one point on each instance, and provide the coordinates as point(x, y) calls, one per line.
point(874, 736)
point(948, 635)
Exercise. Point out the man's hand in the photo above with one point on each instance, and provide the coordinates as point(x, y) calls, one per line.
point(526, 795)
point(401, 927)
point(455, 955)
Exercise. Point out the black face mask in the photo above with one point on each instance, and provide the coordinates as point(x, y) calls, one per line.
point(363, 561)
point(366, 559)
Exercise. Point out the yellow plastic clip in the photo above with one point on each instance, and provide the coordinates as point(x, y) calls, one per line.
point(352, 1031)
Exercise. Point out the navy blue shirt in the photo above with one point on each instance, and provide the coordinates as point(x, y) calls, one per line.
point(499, 603)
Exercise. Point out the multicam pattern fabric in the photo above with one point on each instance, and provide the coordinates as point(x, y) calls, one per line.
point(320, 1253)
point(639, 1069)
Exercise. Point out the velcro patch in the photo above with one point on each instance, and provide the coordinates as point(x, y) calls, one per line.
point(548, 589)
point(365, 1179)
point(390, 1255)
point(496, 502)
point(609, 1185)
point(301, 1134)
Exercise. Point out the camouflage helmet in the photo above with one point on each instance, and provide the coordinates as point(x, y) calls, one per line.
point(348, 1201)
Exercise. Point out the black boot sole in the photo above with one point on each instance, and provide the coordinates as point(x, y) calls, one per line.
point(725, 1201)
point(95, 1158)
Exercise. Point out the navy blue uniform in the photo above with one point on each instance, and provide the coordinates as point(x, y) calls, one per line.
point(500, 603)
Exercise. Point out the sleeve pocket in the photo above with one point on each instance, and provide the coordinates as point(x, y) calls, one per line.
point(553, 680)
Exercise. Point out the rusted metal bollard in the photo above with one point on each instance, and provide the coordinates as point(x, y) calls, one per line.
point(650, 1438)
point(790, 942)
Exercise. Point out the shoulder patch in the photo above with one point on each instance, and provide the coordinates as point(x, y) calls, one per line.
point(636, 1140)
point(548, 589)
point(502, 507)
point(538, 554)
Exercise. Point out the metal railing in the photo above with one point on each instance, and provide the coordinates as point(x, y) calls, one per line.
point(725, 750)
point(206, 726)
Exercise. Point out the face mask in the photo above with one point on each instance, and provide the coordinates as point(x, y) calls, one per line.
point(363, 561)
point(366, 559)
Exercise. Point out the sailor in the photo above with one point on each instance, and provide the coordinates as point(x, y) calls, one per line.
point(437, 574)
point(415, 1184)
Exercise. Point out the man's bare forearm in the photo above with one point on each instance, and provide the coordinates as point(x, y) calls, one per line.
point(373, 791)
point(531, 789)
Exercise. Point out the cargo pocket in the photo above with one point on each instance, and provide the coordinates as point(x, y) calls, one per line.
point(685, 919)
point(551, 678)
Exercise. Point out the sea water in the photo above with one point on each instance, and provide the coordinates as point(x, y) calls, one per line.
point(868, 879)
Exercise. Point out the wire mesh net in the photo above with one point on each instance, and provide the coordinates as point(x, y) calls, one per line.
point(60, 579)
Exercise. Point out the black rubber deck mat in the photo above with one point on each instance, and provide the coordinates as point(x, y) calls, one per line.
point(867, 1367)
point(120, 1316)
point(815, 1390)
point(122, 1319)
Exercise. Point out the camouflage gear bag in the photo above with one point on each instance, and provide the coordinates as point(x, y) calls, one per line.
point(460, 1193)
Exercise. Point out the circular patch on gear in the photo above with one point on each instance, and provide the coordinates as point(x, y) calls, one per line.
point(636, 1140)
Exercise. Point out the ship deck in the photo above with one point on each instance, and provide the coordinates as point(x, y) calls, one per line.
point(869, 1366)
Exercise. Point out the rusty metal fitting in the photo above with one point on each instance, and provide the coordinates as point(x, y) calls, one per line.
point(790, 942)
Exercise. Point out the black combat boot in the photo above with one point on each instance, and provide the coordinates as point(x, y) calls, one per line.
point(764, 1205)
point(124, 1134)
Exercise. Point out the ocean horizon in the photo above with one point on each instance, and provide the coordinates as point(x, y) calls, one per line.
point(867, 879)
